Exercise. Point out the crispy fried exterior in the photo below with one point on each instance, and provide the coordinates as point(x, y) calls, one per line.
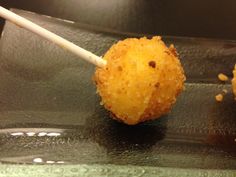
point(234, 81)
point(141, 81)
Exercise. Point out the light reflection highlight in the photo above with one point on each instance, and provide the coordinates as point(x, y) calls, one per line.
point(40, 160)
point(17, 134)
point(53, 134)
point(50, 161)
point(40, 134)
point(37, 160)
point(30, 133)
point(60, 162)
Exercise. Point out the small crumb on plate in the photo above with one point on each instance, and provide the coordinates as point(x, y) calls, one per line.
point(219, 97)
point(225, 91)
point(222, 77)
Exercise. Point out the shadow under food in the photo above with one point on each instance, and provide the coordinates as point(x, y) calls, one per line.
point(118, 137)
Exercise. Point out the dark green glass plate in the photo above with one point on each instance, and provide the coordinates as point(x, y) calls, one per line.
point(50, 114)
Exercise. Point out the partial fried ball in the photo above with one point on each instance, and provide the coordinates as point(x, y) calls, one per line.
point(141, 80)
point(234, 81)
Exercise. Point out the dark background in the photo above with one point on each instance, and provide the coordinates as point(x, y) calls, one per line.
point(197, 18)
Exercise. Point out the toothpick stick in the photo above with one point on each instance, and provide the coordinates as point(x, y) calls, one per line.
point(22, 22)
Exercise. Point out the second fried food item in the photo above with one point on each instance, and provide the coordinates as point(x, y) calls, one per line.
point(234, 81)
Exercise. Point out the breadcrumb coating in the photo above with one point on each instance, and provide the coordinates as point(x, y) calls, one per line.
point(141, 80)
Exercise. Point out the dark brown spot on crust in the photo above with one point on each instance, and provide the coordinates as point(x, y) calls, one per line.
point(157, 85)
point(119, 68)
point(152, 64)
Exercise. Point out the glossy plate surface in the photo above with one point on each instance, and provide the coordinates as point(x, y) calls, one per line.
point(50, 113)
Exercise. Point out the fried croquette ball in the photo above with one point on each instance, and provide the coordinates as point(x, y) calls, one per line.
point(234, 81)
point(141, 80)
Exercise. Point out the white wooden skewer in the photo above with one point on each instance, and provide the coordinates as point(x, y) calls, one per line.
point(22, 22)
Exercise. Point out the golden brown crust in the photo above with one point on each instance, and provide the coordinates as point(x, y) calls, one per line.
point(172, 80)
point(141, 80)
